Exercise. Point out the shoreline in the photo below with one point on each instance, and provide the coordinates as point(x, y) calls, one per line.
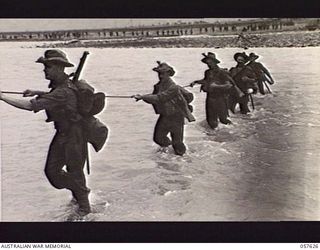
point(254, 40)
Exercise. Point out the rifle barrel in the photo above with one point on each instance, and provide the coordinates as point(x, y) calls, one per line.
point(76, 75)
point(267, 86)
point(251, 99)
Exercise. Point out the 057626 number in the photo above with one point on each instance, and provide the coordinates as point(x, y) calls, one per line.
point(313, 245)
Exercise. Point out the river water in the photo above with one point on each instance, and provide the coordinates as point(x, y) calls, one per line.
point(263, 167)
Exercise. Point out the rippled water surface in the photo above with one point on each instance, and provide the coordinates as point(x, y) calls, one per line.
point(265, 166)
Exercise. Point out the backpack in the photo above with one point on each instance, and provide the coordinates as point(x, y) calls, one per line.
point(90, 104)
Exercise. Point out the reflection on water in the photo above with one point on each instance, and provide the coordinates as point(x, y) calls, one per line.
point(265, 166)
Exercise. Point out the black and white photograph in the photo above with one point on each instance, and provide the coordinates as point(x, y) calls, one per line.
point(160, 119)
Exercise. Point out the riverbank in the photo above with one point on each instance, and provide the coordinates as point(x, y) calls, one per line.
point(281, 39)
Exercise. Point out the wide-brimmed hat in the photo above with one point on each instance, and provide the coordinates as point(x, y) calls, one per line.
point(55, 56)
point(164, 67)
point(208, 57)
point(253, 56)
point(239, 54)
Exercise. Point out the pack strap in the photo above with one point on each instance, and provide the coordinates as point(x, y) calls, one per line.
point(87, 159)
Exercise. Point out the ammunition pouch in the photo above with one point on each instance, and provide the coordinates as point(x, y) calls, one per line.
point(95, 131)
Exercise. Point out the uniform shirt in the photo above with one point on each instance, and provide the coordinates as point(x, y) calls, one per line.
point(60, 105)
point(219, 77)
point(165, 98)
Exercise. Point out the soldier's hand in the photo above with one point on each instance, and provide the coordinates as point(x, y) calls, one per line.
point(29, 93)
point(1, 95)
point(138, 97)
point(193, 83)
point(250, 91)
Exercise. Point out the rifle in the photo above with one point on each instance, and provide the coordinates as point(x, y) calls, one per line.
point(251, 99)
point(268, 88)
point(76, 75)
point(75, 80)
point(245, 66)
point(267, 80)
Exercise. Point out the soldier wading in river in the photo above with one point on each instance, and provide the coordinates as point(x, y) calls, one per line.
point(68, 146)
point(246, 80)
point(170, 101)
point(217, 84)
point(262, 73)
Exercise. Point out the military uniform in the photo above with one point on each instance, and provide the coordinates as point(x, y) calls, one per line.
point(68, 146)
point(71, 106)
point(216, 101)
point(170, 101)
point(245, 78)
point(261, 72)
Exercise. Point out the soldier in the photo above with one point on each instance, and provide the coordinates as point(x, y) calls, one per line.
point(217, 83)
point(263, 74)
point(68, 146)
point(171, 102)
point(245, 79)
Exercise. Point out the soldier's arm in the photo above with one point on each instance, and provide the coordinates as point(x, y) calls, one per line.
point(206, 78)
point(230, 79)
point(202, 81)
point(18, 103)
point(150, 98)
point(30, 93)
point(160, 97)
point(50, 100)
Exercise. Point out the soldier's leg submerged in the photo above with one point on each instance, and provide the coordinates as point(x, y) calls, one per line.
point(232, 102)
point(161, 130)
point(243, 103)
point(223, 110)
point(75, 153)
point(60, 154)
point(261, 88)
point(211, 113)
point(177, 129)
